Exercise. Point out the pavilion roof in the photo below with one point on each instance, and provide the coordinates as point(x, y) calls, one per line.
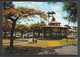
point(55, 22)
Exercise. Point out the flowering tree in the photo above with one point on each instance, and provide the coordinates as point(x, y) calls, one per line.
point(20, 13)
point(37, 28)
point(22, 29)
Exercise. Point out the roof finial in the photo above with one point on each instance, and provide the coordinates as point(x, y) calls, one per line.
point(53, 19)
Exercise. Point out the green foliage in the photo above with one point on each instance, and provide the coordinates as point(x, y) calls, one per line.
point(37, 27)
point(71, 9)
point(52, 2)
point(73, 37)
point(21, 9)
point(67, 26)
point(22, 28)
point(7, 25)
point(7, 5)
point(14, 14)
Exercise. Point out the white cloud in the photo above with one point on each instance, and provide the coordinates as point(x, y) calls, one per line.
point(18, 2)
point(56, 7)
point(38, 3)
point(59, 18)
point(63, 22)
point(29, 5)
point(57, 15)
point(41, 6)
point(21, 2)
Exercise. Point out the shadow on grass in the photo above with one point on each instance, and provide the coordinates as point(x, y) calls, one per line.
point(29, 51)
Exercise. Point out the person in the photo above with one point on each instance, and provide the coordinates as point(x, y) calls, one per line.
point(33, 39)
point(67, 37)
point(36, 40)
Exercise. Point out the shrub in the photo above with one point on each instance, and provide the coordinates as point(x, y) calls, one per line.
point(72, 37)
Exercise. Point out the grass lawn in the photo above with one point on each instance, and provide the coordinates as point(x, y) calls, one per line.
point(37, 47)
point(44, 44)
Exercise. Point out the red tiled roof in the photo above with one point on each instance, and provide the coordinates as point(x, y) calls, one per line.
point(54, 22)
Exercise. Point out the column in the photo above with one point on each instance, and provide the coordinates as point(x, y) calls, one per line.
point(65, 32)
point(60, 32)
point(66, 36)
point(44, 32)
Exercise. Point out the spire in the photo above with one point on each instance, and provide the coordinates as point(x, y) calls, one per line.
point(51, 13)
point(53, 19)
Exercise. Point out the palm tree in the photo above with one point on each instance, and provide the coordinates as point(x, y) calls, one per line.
point(71, 9)
point(68, 19)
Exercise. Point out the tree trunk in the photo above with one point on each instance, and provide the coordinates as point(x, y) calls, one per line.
point(5, 33)
point(21, 34)
point(39, 34)
point(12, 32)
point(15, 34)
point(66, 35)
point(66, 39)
point(34, 34)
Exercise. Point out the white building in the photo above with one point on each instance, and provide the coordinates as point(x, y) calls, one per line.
point(74, 31)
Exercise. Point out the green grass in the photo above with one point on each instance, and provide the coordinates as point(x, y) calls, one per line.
point(36, 47)
point(70, 42)
point(45, 44)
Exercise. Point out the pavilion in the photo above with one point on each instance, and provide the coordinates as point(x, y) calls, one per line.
point(54, 30)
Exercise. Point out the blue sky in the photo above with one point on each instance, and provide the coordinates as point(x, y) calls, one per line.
point(45, 7)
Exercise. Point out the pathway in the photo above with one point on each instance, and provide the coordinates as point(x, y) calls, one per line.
point(67, 50)
point(23, 43)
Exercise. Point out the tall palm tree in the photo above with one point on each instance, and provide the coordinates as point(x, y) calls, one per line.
point(71, 9)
